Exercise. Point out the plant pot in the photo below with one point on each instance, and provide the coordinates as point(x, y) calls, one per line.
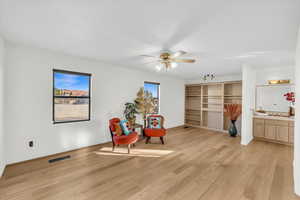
point(145, 121)
point(291, 111)
point(132, 121)
point(232, 129)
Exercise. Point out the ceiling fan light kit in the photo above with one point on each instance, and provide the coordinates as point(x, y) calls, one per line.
point(174, 65)
point(158, 67)
point(169, 60)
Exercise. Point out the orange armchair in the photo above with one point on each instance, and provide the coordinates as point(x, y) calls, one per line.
point(122, 139)
point(155, 132)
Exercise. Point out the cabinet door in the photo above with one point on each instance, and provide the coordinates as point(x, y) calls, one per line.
point(270, 132)
point(291, 135)
point(282, 133)
point(259, 128)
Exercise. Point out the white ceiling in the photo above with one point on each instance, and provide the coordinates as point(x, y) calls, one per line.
point(221, 35)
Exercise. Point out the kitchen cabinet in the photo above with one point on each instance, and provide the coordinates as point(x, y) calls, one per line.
point(259, 128)
point(280, 131)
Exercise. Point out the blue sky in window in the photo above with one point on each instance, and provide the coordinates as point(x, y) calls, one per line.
point(153, 88)
point(71, 81)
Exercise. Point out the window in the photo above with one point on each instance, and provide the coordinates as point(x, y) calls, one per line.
point(154, 89)
point(71, 96)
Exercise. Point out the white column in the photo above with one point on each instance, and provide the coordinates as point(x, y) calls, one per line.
point(249, 84)
point(297, 122)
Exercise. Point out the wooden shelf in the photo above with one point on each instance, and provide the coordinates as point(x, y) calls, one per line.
point(232, 95)
point(205, 104)
point(194, 112)
point(188, 109)
point(212, 110)
point(192, 123)
point(189, 115)
point(212, 103)
point(191, 119)
point(212, 97)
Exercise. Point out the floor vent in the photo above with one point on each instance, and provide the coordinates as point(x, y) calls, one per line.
point(59, 159)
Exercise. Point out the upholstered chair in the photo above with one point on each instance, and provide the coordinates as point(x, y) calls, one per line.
point(155, 128)
point(121, 139)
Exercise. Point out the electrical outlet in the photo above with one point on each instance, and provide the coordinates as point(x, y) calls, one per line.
point(30, 143)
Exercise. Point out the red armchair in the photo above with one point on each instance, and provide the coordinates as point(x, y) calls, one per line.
point(155, 132)
point(122, 139)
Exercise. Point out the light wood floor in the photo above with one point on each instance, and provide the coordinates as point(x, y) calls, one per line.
point(193, 164)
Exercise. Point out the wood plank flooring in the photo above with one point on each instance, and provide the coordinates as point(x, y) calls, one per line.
point(194, 164)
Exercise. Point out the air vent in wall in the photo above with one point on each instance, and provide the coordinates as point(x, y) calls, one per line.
point(59, 159)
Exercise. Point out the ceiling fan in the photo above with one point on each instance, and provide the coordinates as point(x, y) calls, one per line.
point(170, 60)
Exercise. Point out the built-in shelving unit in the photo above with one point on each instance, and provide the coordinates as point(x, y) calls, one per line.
point(193, 105)
point(204, 104)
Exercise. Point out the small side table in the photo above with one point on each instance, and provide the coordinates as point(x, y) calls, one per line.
point(140, 126)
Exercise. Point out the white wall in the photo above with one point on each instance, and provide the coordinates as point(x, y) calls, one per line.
point(297, 123)
point(29, 101)
point(2, 158)
point(263, 75)
point(249, 82)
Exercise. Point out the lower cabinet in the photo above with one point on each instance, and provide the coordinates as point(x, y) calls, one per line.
point(291, 132)
point(259, 128)
point(281, 131)
point(270, 132)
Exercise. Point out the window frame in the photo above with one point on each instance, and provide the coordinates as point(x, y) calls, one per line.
point(65, 97)
point(158, 94)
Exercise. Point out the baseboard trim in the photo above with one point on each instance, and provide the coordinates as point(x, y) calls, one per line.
point(2, 168)
point(57, 154)
point(206, 128)
point(273, 141)
point(176, 127)
point(68, 152)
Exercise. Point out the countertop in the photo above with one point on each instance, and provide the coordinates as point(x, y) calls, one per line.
point(273, 117)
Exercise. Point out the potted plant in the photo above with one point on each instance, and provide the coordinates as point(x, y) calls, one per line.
point(130, 112)
point(145, 103)
point(233, 111)
point(290, 97)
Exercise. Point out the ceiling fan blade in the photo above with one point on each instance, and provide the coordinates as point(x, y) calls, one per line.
point(149, 56)
point(178, 53)
point(184, 60)
point(146, 63)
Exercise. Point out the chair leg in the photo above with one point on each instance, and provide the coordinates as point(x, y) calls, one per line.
point(129, 149)
point(148, 139)
point(162, 139)
point(113, 147)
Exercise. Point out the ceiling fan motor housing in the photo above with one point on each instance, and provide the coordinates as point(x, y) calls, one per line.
point(165, 56)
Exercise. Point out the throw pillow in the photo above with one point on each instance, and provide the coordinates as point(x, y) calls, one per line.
point(126, 127)
point(155, 122)
point(118, 129)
